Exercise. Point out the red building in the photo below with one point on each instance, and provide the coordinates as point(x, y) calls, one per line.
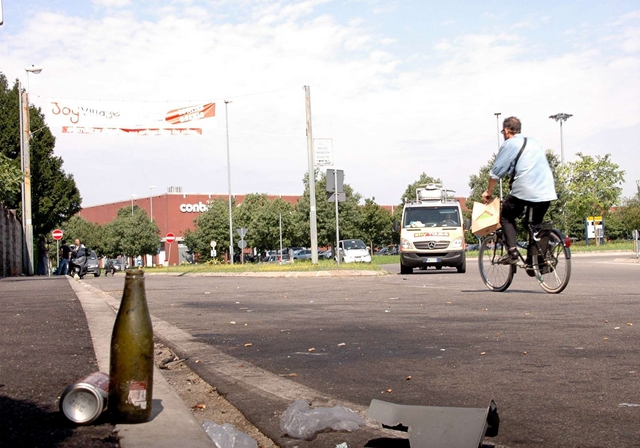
point(173, 212)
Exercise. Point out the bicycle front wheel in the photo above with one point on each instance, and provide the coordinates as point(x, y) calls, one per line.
point(554, 266)
point(496, 276)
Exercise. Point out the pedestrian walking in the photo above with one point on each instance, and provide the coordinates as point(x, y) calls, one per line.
point(65, 255)
point(43, 260)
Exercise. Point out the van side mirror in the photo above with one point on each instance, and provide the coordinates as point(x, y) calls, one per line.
point(467, 224)
point(396, 226)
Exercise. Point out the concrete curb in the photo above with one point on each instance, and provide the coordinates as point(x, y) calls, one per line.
point(172, 423)
point(278, 274)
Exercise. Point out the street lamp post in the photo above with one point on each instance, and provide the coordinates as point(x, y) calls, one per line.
point(151, 201)
point(226, 116)
point(133, 196)
point(25, 164)
point(561, 118)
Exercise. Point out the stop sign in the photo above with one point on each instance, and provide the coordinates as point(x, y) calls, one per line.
point(57, 234)
point(170, 238)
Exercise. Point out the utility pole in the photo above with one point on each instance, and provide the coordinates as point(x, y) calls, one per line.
point(226, 115)
point(312, 180)
point(561, 118)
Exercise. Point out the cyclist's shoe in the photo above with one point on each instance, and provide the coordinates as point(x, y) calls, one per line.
point(509, 258)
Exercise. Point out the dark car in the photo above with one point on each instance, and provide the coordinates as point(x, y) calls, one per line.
point(93, 266)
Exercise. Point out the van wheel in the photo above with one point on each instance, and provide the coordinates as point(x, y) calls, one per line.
point(405, 270)
point(463, 267)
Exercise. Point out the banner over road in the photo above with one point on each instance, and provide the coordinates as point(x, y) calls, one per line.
point(126, 118)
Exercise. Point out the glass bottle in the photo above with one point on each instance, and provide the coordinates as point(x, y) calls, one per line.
point(131, 364)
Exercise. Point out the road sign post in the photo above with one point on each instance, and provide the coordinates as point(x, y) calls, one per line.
point(57, 235)
point(170, 238)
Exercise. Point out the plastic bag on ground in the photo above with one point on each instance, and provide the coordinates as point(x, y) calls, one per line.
point(226, 436)
point(302, 422)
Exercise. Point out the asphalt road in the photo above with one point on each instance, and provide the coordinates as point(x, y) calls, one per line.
point(563, 369)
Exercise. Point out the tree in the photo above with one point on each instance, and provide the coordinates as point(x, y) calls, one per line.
point(132, 234)
point(349, 214)
point(262, 218)
point(10, 180)
point(90, 234)
point(628, 217)
point(212, 225)
point(593, 187)
point(54, 195)
point(377, 224)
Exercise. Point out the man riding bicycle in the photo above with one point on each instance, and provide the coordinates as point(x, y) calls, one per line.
point(532, 183)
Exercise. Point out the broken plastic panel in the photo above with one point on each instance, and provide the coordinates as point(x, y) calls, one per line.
point(438, 427)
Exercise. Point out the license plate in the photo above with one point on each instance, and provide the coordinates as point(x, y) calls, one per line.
point(432, 260)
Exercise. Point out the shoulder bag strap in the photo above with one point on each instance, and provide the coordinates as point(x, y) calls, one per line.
point(513, 175)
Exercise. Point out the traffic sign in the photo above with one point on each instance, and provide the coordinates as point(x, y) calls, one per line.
point(57, 234)
point(170, 238)
point(213, 244)
point(242, 232)
point(242, 244)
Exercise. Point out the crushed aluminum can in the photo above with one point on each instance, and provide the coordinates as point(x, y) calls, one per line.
point(86, 399)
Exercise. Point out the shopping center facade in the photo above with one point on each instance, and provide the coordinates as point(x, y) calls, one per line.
point(174, 212)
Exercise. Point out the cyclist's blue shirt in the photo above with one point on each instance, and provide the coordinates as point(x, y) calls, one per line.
point(533, 180)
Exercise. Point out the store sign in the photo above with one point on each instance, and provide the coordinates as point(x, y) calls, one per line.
point(194, 208)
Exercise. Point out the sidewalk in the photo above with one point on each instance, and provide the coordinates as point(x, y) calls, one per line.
point(54, 331)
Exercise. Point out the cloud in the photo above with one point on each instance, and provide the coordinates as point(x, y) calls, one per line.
point(112, 3)
point(391, 115)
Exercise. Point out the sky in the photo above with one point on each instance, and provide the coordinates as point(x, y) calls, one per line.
point(400, 87)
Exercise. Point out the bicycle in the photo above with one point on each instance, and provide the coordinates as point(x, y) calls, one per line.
point(548, 258)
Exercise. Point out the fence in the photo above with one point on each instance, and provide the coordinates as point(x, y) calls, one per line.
point(10, 243)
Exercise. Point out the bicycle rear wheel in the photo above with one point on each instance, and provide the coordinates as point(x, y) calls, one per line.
point(554, 267)
point(496, 276)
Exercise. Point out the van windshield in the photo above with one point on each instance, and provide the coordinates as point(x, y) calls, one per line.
point(431, 217)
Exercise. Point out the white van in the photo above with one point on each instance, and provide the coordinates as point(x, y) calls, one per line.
point(353, 251)
point(432, 231)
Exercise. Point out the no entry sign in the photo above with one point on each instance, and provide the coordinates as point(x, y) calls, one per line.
point(170, 238)
point(57, 234)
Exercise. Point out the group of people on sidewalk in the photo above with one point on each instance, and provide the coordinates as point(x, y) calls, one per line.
point(66, 253)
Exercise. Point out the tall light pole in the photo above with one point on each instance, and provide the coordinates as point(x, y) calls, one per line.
point(497, 114)
point(132, 198)
point(561, 118)
point(226, 116)
point(151, 201)
point(313, 225)
point(25, 164)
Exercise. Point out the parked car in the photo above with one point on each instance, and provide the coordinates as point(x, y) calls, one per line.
point(353, 251)
point(275, 258)
point(325, 254)
point(93, 265)
point(304, 254)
